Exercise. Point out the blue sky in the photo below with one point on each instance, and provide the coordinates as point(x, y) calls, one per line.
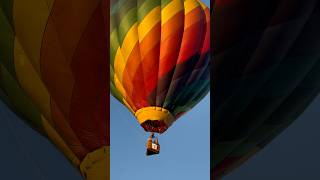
point(184, 147)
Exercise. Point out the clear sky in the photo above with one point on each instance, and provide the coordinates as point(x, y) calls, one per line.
point(185, 147)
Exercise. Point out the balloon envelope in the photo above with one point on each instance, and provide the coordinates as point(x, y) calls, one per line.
point(159, 58)
point(53, 73)
point(266, 72)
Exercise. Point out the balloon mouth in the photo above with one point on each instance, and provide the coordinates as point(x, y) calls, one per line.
point(96, 165)
point(154, 126)
point(154, 119)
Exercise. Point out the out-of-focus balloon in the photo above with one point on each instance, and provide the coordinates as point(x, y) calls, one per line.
point(159, 58)
point(54, 74)
point(266, 72)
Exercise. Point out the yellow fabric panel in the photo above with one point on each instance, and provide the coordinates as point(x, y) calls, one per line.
point(119, 65)
point(169, 28)
point(129, 43)
point(120, 87)
point(30, 19)
point(30, 81)
point(170, 10)
point(154, 113)
point(123, 93)
point(190, 5)
point(149, 22)
point(192, 17)
point(96, 165)
point(59, 142)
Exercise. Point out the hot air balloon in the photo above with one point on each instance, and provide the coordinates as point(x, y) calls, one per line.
point(266, 72)
point(54, 75)
point(159, 59)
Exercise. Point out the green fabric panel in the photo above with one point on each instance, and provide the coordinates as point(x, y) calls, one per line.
point(4, 98)
point(6, 39)
point(20, 100)
point(164, 3)
point(115, 93)
point(6, 7)
point(193, 102)
point(223, 148)
point(187, 95)
point(114, 46)
point(126, 17)
point(253, 141)
point(243, 150)
point(145, 6)
point(116, 4)
point(111, 74)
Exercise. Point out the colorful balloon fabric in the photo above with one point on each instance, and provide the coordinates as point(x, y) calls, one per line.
point(159, 58)
point(266, 72)
point(54, 74)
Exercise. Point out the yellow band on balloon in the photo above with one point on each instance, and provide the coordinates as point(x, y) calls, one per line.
point(154, 113)
point(96, 165)
point(59, 142)
point(149, 21)
point(31, 82)
point(173, 8)
point(190, 5)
